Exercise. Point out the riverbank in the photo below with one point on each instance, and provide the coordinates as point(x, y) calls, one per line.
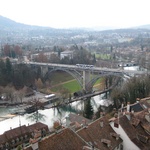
point(8, 116)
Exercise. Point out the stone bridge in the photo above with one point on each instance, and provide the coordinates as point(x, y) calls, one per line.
point(86, 75)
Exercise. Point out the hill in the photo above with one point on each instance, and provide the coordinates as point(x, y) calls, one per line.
point(147, 26)
point(8, 23)
point(11, 28)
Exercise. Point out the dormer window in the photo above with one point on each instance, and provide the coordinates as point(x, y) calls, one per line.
point(17, 139)
point(21, 138)
point(115, 135)
point(107, 142)
point(43, 132)
point(6, 144)
point(13, 141)
point(32, 134)
point(1, 146)
point(143, 138)
point(25, 136)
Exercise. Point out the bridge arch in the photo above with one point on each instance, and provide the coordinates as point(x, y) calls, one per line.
point(79, 77)
point(75, 74)
point(93, 81)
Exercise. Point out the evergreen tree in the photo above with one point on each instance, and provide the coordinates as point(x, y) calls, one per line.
point(94, 59)
point(88, 109)
point(2, 73)
point(8, 71)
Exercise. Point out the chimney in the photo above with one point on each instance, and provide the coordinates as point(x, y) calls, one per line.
point(137, 100)
point(122, 107)
point(128, 107)
point(67, 121)
point(101, 123)
point(84, 122)
point(115, 135)
point(101, 114)
point(128, 115)
point(132, 111)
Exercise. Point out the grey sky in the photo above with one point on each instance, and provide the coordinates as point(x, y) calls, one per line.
point(77, 13)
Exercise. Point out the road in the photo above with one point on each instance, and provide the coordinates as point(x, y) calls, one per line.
point(93, 69)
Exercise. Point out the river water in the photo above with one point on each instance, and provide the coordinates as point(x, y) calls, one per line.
point(50, 115)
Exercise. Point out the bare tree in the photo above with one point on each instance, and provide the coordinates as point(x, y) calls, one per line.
point(20, 95)
point(10, 93)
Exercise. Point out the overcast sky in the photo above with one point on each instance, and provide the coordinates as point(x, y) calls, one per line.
point(77, 13)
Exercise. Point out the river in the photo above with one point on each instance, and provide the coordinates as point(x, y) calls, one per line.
point(50, 115)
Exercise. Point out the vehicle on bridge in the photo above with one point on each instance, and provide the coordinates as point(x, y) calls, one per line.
point(85, 66)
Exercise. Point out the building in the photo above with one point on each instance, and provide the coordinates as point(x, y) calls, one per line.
point(133, 128)
point(100, 135)
point(65, 139)
point(21, 135)
point(96, 135)
point(75, 122)
point(67, 53)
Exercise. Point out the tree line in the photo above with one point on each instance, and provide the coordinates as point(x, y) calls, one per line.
point(13, 51)
point(16, 80)
point(133, 89)
point(80, 55)
point(17, 75)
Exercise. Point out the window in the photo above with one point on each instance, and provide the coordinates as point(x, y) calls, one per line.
point(25, 136)
point(17, 140)
point(13, 141)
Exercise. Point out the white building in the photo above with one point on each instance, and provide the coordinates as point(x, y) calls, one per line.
point(66, 54)
point(133, 127)
point(121, 129)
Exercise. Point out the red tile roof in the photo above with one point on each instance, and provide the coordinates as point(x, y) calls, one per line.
point(127, 126)
point(16, 132)
point(136, 133)
point(3, 139)
point(7, 136)
point(66, 139)
point(37, 126)
point(96, 133)
point(78, 118)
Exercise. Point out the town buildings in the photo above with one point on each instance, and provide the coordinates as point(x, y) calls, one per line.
point(129, 129)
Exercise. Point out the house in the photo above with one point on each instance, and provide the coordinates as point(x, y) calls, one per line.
point(47, 54)
point(21, 135)
point(75, 121)
point(140, 105)
point(39, 126)
point(14, 137)
point(65, 139)
point(66, 53)
point(134, 129)
point(100, 135)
